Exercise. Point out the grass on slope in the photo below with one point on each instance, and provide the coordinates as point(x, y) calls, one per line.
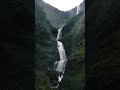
point(41, 81)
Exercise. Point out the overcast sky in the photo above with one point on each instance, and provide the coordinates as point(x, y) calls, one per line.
point(64, 5)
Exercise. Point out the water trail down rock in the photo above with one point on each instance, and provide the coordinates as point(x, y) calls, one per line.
point(59, 35)
point(61, 50)
point(60, 78)
point(59, 66)
point(78, 9)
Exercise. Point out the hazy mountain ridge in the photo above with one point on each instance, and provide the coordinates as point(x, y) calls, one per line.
point(74, 42)
point(56, 17)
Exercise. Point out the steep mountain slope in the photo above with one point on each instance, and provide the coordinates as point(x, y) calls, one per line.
point(56, 17)
point(74, 43)
point(103, 19)
point(45, 40)
point(45, 48)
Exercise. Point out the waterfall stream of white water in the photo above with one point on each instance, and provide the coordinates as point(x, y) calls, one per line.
point(59, 35)
point(60, 65)
point(78, 9)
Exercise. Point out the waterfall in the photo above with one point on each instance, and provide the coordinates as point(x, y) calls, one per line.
point(78, 9)
point(59, 35)
point(59, 66)
point(61, 50)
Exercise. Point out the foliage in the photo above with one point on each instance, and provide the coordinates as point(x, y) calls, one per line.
point(42, 81)
point(74, 43)
point(46, 52)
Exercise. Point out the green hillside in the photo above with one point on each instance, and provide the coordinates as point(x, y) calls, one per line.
point(74, 43)
point(45, 49)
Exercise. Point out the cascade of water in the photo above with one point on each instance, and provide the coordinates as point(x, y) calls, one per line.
point(61, 50)
point(59, 35)
point(78, 9)
point(60, 65)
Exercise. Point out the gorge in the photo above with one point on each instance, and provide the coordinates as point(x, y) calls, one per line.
point(59, 66)
point(55, 49)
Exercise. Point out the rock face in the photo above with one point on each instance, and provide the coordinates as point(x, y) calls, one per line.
point(103, 28)
point(74, 43)
point(56, 17)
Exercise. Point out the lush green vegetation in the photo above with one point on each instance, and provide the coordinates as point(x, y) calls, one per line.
point(42, 81)
point(74, 42)
point(56, 17)
point(103, 72)
point(46, 52)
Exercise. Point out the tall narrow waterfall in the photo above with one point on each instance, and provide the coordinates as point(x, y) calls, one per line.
point(78, 9)
point(59, 35)
point(59, 66)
